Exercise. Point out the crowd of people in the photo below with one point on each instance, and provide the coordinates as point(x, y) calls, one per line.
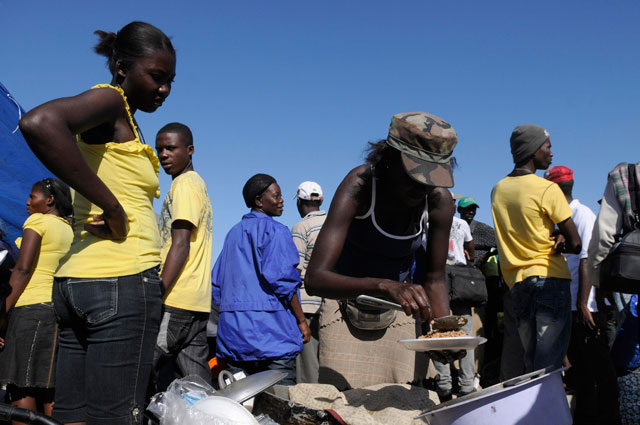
point(103, 295)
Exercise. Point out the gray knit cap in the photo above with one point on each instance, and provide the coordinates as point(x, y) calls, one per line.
point(526, 139)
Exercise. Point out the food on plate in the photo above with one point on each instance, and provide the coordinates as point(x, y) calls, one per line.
point(444, 334)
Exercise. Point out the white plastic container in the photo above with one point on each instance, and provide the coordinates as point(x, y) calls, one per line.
point(537, 398)
point(225, 410)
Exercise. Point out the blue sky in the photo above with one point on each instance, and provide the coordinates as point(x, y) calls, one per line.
point(295, 89)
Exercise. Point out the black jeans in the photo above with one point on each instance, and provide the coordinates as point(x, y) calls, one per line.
point(183, 338)
point(108, 330)
point(593, 374)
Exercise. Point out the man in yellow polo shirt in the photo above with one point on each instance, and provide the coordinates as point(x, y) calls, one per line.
point(526, 210)
point(186, 235)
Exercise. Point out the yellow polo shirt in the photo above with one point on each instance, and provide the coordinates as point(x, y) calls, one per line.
point(56, 234)
point(525, 211)
point(188, 200)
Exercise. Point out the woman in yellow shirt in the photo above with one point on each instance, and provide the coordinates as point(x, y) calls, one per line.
point(27, 363)
point(107, 289)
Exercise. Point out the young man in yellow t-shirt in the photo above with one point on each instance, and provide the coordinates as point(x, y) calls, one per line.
point(186, 235)
point(526, 210)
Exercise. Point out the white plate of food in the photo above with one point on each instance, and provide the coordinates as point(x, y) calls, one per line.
point(445, 343)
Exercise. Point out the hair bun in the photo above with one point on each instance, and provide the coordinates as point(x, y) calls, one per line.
point(106, 45)
point(134, 41)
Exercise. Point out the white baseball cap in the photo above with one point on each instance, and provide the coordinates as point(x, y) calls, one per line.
point(308, 191)
point(456, 196)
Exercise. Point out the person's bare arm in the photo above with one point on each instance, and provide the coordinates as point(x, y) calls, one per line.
point(584, 288)
point(296, 308)
point(572, 243)
point(469, 251)
point(178, 253)
point(323, 281)
point(49, 130)
point(440, 218)
point(25, 266)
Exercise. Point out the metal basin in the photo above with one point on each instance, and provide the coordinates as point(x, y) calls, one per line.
point(532, 399)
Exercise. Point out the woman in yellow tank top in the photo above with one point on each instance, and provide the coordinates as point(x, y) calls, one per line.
point(107, 289)
point(27, 363)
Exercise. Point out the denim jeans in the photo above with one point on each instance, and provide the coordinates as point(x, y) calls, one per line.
point(183, 337)
point(542, 306)
point(512, 356)
point(108, 330)
point(287, 366)
point(467, 372)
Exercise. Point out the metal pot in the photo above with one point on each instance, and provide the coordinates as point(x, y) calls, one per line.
point(243, 389)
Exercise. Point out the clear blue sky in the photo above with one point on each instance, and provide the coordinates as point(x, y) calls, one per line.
point(295, 89)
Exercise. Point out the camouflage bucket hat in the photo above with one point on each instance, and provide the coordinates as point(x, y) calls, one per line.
point(426, 143)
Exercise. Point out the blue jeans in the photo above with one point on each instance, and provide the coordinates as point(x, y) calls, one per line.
point(287, 366)
point(108, 331)
point(542, 306)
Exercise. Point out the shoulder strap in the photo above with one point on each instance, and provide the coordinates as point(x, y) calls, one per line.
point(634, 193)
point(132, 121)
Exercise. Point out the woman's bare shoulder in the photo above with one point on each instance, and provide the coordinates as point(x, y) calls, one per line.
point(357, 177)
point(353, 191)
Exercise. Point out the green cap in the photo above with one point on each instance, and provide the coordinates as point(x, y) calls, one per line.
point(467, 201)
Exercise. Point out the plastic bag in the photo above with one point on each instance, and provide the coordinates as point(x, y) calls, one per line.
point(265, 420)
point(175, 406)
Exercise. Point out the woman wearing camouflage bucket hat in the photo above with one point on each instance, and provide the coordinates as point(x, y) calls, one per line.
point(382, 211)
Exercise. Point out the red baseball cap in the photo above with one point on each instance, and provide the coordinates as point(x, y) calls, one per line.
point(558, 174)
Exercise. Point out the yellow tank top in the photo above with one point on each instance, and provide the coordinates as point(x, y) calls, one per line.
point(130, 171)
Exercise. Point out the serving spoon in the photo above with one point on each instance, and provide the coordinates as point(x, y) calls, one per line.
point(444, 323)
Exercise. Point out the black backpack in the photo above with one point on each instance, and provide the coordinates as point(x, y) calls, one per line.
point(620, 270)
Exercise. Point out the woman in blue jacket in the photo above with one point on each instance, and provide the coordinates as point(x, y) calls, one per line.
point(255, 285)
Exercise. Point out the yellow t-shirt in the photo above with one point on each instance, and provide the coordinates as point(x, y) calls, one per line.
point(56, 237)
point(188, 200)
point(525, 209)
point(130, 171)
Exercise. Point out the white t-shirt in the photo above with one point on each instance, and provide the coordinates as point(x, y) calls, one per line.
point(459, 234)
point(584, 219)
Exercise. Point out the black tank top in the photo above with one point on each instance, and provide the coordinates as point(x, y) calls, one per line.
point(369, 251)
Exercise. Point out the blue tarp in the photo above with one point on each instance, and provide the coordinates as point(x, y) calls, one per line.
point(19, 167)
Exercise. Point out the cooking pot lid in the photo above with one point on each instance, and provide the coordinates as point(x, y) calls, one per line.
point(246, 388)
